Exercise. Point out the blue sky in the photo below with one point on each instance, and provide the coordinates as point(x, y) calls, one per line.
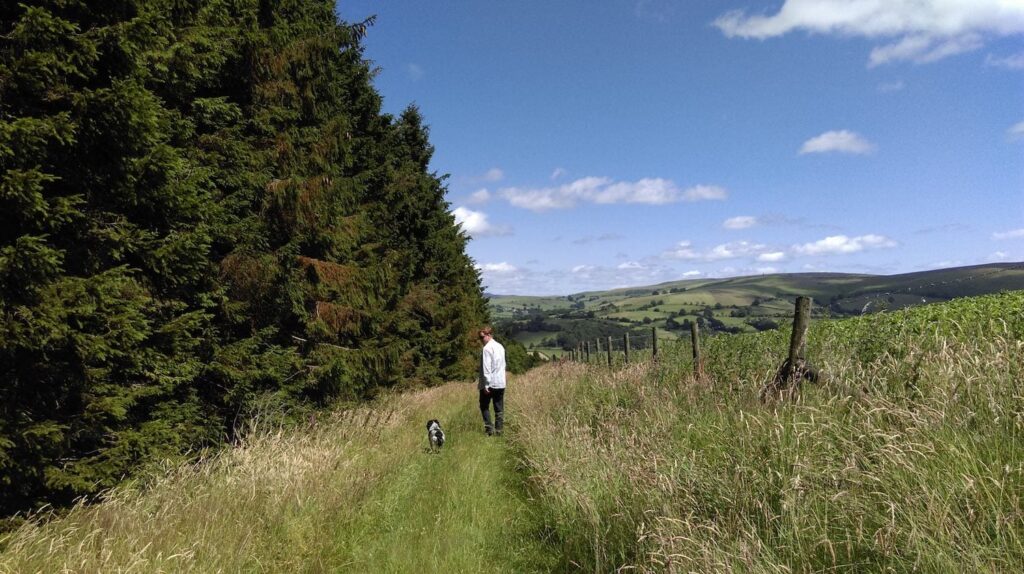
point(593, 145)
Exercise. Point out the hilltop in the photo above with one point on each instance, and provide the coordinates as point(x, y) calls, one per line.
point(735, 304)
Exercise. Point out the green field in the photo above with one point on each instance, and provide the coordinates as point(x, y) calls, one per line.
point(905, 456)
point(737, 302)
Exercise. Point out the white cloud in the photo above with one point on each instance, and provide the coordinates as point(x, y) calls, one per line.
point(772, 257)
point(705, 192)
point(842, 141)
point(683, 250)
point(505, 278)
point(911, 30)
point(414, 71)
point(1014, 234)
point(923, 49)
point(1014, 62)
point(480, 196)
point(502, 267)
point(509, 279)
point(691, 274)
point(494, 174)
point(766, 270)
point(998, 256)
point(475, 223)
point(732, 250)
point(740, 222)
point(630, 265)
point(841, 244)
point(559, 172)
point(603, 190)
point(1016, 131)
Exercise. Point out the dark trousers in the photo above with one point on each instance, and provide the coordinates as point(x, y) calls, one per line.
point(497, 396)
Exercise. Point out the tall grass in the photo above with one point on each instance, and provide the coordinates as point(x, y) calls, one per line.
point(356, 491)
point(907, 459)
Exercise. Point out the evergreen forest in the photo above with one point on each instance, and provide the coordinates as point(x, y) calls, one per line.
point(204, 215)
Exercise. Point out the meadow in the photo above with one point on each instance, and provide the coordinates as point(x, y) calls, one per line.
point(906, 457)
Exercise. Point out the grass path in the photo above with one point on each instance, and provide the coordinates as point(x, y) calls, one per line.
point(357, 491)
point(463, 509)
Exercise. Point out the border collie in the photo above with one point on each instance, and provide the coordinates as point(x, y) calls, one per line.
point(434, 434)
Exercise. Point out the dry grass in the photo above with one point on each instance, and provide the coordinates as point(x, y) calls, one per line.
point(264, 506)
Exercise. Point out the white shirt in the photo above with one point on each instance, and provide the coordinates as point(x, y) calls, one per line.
point(492, 366)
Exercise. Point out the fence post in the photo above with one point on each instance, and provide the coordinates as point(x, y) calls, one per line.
point(654, 342)
point(795, 367)
point(625, 347)
point(698, 361)
point(609, 350)
point(587, 346)
point(801, 315)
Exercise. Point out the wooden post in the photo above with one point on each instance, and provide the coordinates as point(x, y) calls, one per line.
point(625, 347)
point(801, 315)
point(654, 342)
point(698, 361)
point(795, 367)
point(609, 350)
point(588, 351)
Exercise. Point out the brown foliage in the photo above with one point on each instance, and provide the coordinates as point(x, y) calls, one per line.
point(340, 277)
point(342, 319)
point(247, 277)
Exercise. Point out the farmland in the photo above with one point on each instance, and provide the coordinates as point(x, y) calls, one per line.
point(736, 305)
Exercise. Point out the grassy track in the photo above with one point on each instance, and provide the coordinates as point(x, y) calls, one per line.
point(357, 491)
point(460, 510)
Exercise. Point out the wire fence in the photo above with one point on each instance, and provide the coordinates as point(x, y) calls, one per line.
point(621, 349)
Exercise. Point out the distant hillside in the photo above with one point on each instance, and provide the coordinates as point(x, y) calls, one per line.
point(735, 304)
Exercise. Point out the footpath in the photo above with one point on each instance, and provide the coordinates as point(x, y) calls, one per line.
point(462, 509)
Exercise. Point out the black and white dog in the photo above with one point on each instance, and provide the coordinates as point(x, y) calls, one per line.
point(434, 434)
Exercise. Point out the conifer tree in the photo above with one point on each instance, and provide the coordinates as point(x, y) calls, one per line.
point(203, 207)
point(104, 251)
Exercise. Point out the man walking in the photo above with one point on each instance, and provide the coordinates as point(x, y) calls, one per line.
point(492, 382)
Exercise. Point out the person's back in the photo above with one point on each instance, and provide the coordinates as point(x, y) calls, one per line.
point(494, 365)
point(492, 381)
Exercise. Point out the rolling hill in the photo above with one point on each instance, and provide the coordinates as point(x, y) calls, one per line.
point(736, 304)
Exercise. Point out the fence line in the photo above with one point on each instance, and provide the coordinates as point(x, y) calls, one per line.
point(793, 368)
point(629, 345)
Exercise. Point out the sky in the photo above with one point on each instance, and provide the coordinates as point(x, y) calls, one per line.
point(592, 145)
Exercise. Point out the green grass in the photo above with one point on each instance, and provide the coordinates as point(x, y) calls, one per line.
point(461, 510)
point(909, 458)
point(851, 291)
point(356, 492)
